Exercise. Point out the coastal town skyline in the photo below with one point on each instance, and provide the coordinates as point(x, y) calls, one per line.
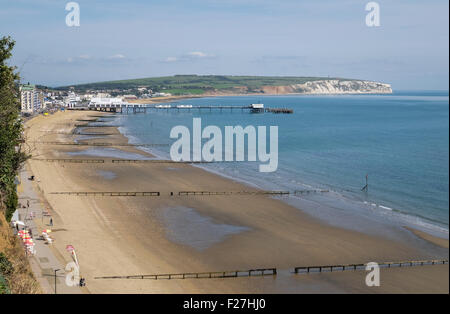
point(126, 40)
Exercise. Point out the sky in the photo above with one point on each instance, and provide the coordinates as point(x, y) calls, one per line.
point(136, 39)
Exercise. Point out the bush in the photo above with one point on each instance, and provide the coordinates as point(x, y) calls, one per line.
point(6, 267)
point(4, 286)
point(11, 205)
point(11, 155)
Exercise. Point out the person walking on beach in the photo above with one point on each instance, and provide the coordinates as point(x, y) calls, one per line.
point(51, 222)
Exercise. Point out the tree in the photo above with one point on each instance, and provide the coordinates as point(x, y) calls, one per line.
point(11, 156)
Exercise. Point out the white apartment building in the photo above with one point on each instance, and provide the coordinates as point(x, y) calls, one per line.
point(72, 100)
point(31, 99)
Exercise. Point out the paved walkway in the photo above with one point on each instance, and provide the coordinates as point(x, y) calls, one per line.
point(44, 263)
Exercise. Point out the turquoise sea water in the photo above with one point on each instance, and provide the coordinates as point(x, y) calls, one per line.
point(401, 141)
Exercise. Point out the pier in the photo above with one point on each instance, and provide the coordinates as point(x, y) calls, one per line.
point(126, 108)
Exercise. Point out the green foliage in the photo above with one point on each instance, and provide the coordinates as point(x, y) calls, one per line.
point(6, 267)
point(4, 289)
point(11, 156)
point(187, 91)
point(197, 84)
point(11, 204)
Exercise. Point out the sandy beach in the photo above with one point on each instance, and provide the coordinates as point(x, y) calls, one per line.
point(116, 236)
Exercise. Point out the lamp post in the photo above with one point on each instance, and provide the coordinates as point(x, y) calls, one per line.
point(55, 278)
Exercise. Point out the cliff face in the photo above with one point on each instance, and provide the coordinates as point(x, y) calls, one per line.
point(331, 87)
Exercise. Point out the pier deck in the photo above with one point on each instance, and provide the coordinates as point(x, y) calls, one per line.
point(142, 108)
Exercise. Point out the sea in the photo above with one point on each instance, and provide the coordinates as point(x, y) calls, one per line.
point(399, 141)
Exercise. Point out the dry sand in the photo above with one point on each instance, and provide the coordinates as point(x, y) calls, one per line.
point(174, 234)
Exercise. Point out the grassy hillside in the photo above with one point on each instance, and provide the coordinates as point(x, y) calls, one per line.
point(197, 84)
point(15, 272)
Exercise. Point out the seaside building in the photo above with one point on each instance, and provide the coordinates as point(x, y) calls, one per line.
point(103, 95)
point(161, 94)
point(31, 99)
point(87, 96)
point(72, 100)
point(106, 101)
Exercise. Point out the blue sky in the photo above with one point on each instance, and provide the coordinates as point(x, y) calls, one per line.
point(133, 39)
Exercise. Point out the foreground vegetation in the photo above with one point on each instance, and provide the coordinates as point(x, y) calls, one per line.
point(197, 84)
point(11, 156)
point(15, 273)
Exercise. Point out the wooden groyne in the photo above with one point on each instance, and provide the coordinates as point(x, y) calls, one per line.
point(181, 193)
point(67, 160)
point(116, 161)
point(203, 275)
point(72, 133)
point(273, 271)
point(301, 192)
point(155, 161)
point(97, 144)
point(108, 193)
point(360, 266)
point(93, 133)
point(210, 193)
point(112, 115)
point(97, 126)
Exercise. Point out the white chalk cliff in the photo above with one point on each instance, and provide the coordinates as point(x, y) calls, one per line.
point(342, 87)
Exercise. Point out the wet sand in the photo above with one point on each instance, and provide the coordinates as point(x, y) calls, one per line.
point(151, 235)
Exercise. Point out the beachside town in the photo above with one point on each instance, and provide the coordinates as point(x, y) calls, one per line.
point(38, 100)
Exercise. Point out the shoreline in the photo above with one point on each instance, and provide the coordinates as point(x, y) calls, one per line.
point(297, 238)
point(399, 218)
point(430, 238)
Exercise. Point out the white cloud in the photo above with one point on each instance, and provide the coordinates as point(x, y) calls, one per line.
point(171, 59)
point(199, 54)
point(193, 55)
point(117, 56)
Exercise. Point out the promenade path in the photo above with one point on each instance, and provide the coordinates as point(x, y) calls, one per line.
point(44, 262)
